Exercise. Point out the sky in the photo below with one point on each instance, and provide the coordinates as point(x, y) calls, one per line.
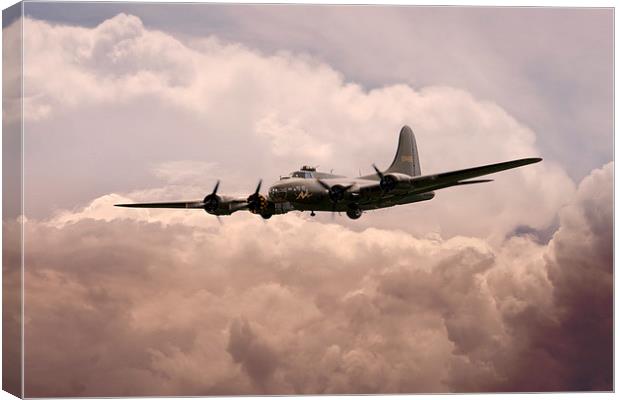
point(466, 293)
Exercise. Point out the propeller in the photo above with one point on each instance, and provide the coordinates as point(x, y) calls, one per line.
point(336, 193)
point(212, 201)
point(254, 200)
point(386, 182)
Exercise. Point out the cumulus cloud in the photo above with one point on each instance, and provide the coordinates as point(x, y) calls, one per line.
point(125, 98)
point(11, 310)
point(184, 172)
point(172, 303)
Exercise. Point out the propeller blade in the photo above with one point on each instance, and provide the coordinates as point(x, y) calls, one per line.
point(217, 185)
point(325, 185)
point(254, 200)
point(335, 192)
point(379, 173)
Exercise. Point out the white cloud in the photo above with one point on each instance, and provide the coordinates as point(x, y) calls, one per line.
point(288, 139)
point(184, 172)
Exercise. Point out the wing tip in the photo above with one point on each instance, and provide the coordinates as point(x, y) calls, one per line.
point(132, 205)
point(530, 160)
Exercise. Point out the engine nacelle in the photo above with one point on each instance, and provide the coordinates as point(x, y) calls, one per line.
point(220, 205)
point(392, 181)
point(258, 204)
point(211, 203)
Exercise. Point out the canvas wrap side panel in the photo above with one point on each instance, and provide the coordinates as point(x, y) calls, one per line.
point(12, 204)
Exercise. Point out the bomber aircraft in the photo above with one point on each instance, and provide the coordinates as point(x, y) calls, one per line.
point(311, 190)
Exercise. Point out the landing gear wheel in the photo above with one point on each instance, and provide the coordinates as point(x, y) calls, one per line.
point(354, 212)
point(312, 213)
point(266, 215)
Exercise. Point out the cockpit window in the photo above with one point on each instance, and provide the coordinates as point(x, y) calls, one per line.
point(302, 174)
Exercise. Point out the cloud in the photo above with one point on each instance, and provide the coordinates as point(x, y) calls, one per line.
point(184, 172)
point(259, 360)
point(173, 303)
point(126, 98)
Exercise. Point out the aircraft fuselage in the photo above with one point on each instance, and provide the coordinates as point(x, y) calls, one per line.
point(306, 194)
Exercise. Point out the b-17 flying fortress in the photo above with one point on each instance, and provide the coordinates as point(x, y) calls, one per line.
point(311, 190)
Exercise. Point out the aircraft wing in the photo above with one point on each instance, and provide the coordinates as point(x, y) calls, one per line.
point(175, 204)
point(427, 183)
point(212, 203)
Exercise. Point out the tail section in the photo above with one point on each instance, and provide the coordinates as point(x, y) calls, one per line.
point(406, 160)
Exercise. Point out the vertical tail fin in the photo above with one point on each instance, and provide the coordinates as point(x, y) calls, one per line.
point(406, 160)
